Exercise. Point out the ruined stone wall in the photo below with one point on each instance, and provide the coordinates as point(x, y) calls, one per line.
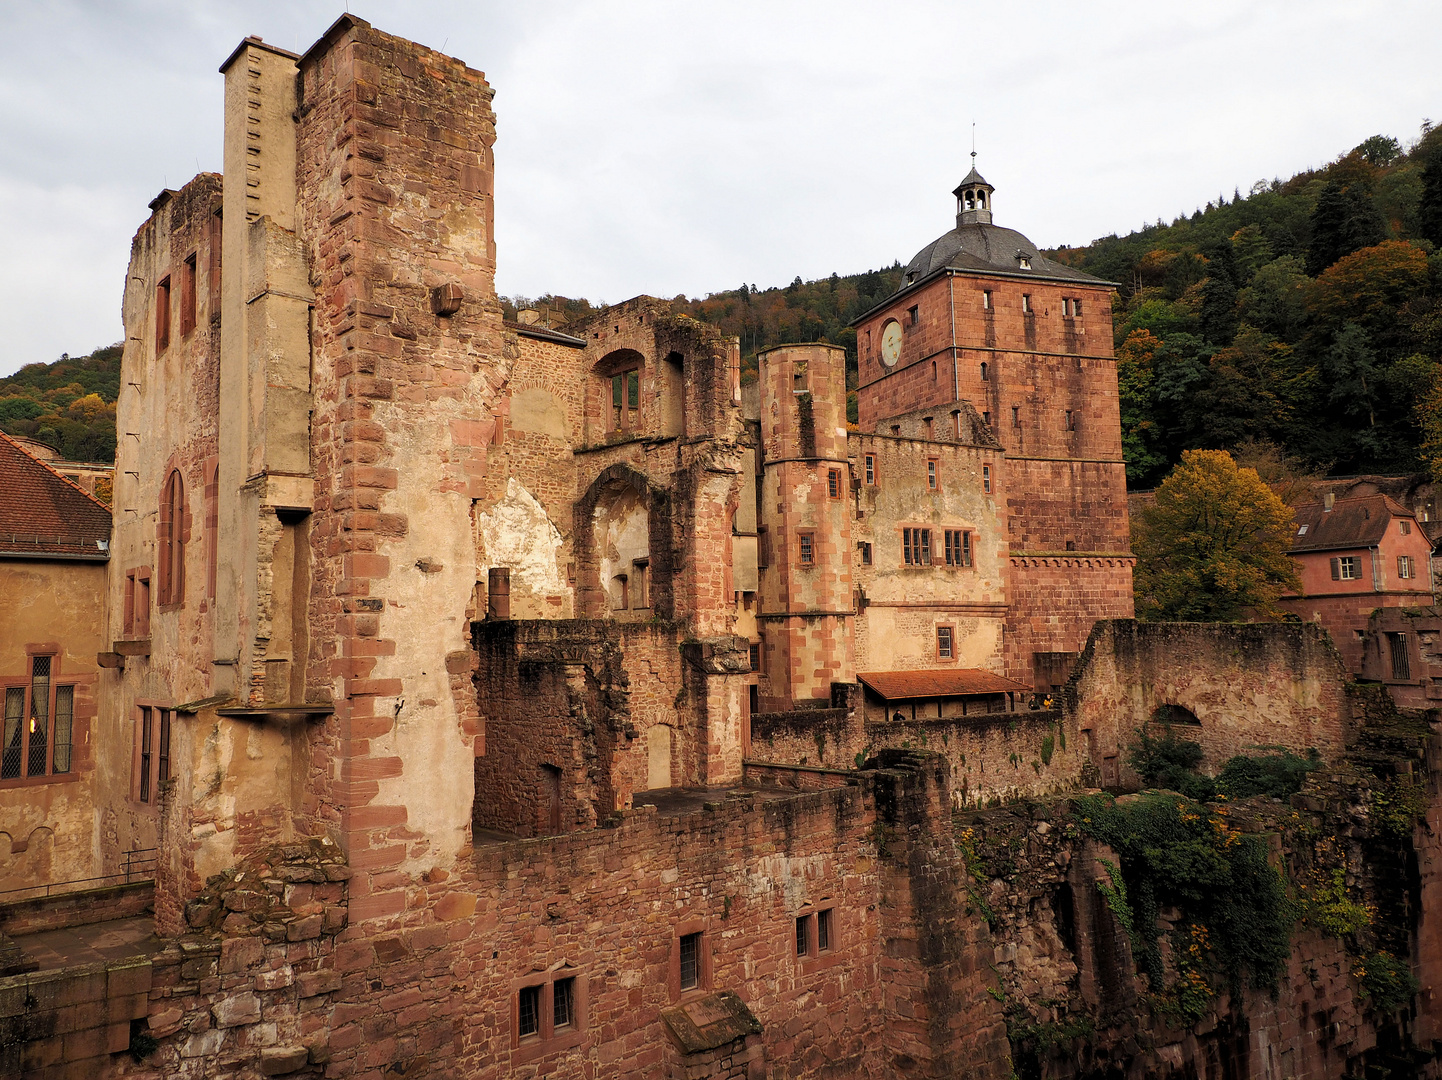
point(992, 757)
point(395, 214)
point(1249, 685)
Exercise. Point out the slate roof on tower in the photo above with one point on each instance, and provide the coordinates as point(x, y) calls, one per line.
point(44, 515)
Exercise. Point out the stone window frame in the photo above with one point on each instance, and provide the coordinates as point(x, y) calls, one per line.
point(869, 462)
point(933, 474)
point(705, 971)
point(986, 478)
point(162, 315)
point(810, 916)
point(916, 549)
point(17, 757)
point(152, 750)
point(946, 654)
point(527, 1048)
point(806, 548)
point(833, 483)
point(958, 549)
point(171, 535)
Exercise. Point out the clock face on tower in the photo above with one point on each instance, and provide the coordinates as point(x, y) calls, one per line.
point(891, 343)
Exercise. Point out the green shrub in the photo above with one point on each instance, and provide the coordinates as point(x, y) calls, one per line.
point(1325, 905)
point(1387, 982)
point(1171, 763)
point(1178, 853)
point(1397, 805)
point(1277, 775)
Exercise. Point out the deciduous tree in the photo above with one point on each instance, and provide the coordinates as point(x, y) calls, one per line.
point(1213, 548)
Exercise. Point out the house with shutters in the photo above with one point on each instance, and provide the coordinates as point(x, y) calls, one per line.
point(1355, 556)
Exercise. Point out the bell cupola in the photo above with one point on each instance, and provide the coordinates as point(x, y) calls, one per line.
point(973, 199)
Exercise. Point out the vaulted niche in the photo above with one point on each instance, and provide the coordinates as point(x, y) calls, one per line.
point(621, 528)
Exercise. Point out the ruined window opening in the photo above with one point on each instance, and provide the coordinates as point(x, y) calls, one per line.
point(187, 296)
point(690, 949)
point(865, 553)
point(754, 698)
point(1070, 420)
point(170, 547)
point(808, 549)
point(640, 598)
point(1405, 566)
point(871, 470)
point(803, 935)
point(1016, 416)
point(529, 1011)
point(986, 419)
point(931, 474)
point(986, 479)
point(625, 399)
point(833, 483)
point(944, 649)
point(162, 315)
point(983, 371)
point(957, 543)
point(896, 429)
point(1347, 568)
point(1401, 666)
point(926, 422)
point(916, 547)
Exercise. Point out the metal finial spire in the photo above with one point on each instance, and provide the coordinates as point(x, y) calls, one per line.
point(973, 144)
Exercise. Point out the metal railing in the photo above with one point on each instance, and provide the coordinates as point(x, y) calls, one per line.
point(138, 865)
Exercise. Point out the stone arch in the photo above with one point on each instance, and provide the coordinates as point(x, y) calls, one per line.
point(623, 531)
point(1175, 715)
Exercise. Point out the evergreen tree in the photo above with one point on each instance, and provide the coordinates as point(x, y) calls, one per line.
point(1345, 220)
point(1429, 211)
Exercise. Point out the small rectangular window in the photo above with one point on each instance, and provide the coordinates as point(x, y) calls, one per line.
point(1066, 307)
point(823, 930)
point(1026, 303)
point(1404, 566)
point(1406, 527)
point(871, 470)
point(563, 1002)
point(986, 479)
point(1016, 416)
point(943, 643)
point(1070, 420)
point(808, 549)
point(755, 656)
point(187, 296)
point(690, 961)
point(931, 473)
point(865, 553)
point(986, 300)
point(833, 483)
point(803, 935)
point(915, 315)
point(1076, 308)
point(162, 315)
point(529, 1011)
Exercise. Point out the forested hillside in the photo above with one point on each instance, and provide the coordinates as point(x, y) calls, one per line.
point(1307, 313)
point(69, 404)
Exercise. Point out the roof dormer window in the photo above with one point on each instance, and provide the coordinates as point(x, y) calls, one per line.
point(1023, 260)
point(1302, 530)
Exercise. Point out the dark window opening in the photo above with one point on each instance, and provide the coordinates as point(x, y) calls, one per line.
point(755, 656)
point(1016, 416)
point(625, 399)
point(529, 1014)
point(563, 1002)
point(162, 315)
point(823, 930)
point(915, 315)
point(1401, 666)
point(1070, 420)
point(187, 296)
point(803, 935)
point(865, 553)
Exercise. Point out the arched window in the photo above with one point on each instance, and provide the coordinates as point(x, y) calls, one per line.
point(170, 546)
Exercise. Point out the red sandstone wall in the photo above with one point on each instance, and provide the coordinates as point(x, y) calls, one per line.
point(1250, 685)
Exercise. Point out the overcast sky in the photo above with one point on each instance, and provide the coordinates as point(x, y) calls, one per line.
point(674, 147)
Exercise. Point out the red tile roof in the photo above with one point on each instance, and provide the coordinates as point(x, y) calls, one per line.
point(944, 682)
point(44, 515)
point(1351, 523)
